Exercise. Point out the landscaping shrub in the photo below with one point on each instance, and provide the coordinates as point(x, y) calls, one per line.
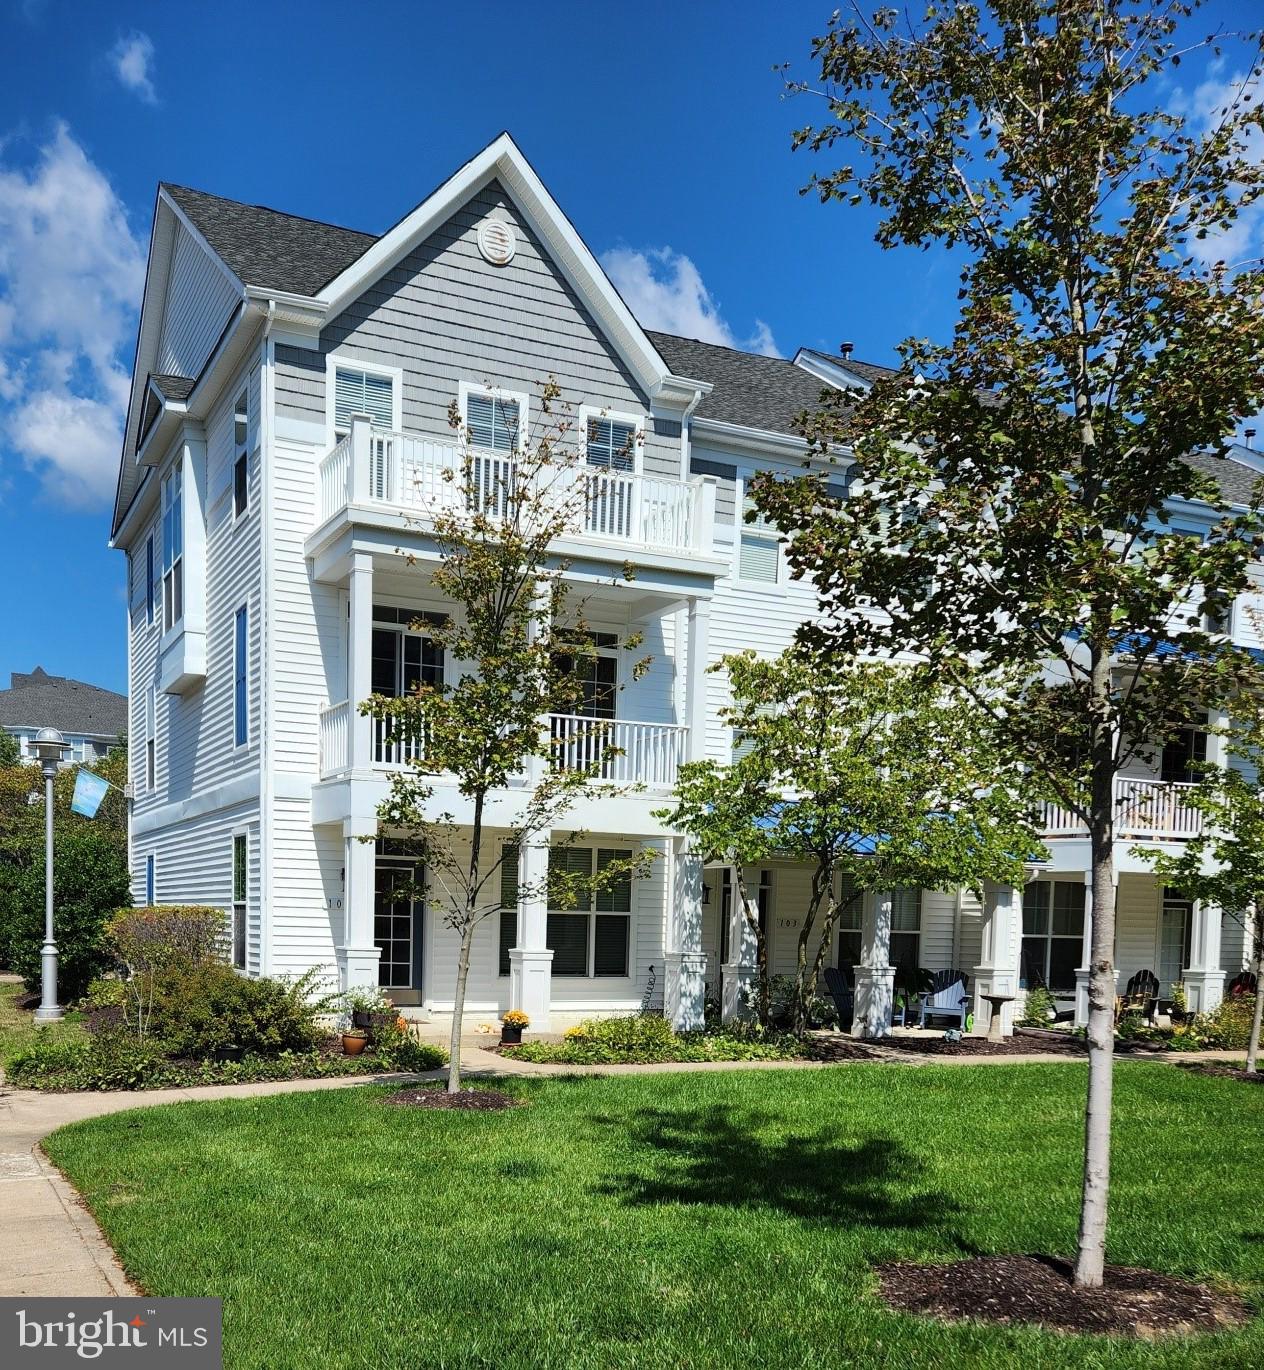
point(90, 880)
point(1039, 1009)
point(649, 1040)
point(122, 1061)
point(1226, 1028)
point(209, 1010)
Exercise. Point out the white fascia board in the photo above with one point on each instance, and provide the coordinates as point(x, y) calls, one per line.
point(295, 319)
point(502, 160)
point(733, 437)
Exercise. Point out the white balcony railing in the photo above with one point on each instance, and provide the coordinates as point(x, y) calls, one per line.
point(622, 751)
point(1144, 809)
point(415, 475)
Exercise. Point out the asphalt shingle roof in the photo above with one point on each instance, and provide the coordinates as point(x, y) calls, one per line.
point(1237, 482)
point(265, 247)
point(41, 700)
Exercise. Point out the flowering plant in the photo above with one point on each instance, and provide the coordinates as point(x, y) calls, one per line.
point(516, 1018)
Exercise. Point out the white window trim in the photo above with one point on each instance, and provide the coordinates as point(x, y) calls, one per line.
point(465, 389)
point(240, 516)
point(175, 473)
point(385, 626)
point(350, 362)
point(151, 878)
point(242, 832)
point(592, 914)
point(588, 411)
point(741, 527)
point(242, 668)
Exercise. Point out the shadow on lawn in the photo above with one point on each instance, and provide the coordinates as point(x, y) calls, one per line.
point(713, 1155)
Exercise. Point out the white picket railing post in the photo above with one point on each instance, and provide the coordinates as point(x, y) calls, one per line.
point(358, 485)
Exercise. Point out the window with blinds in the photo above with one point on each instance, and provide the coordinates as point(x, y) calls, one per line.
point(759, 549)
point(492, 422)
point(363, 392)
point(612, 444)
point(906, 926)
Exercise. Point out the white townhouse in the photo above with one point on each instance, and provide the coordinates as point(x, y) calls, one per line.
point(289, 412)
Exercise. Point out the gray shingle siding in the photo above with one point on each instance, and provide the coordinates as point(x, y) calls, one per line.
point(300, 383)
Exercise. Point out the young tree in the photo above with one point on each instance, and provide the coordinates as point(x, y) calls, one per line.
point(1224, 864)
point(10, 750)
point(876, 775)
point(520, 646)
point(1025, 467)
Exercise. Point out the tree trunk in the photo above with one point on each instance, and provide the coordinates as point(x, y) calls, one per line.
point(761, 947)
point(805, 972)
point(1091, 1258)
point(458, 1008)
point(1257, 965)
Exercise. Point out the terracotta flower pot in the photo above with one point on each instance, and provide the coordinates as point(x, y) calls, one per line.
point(353, 1044)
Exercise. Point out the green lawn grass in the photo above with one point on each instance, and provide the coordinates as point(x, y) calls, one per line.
point(17, 1025)
point(718, 1219)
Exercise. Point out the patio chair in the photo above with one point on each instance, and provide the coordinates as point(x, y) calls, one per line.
point(1141, 995)
point(1243, 983)
point(946, 997)
point(841, 984)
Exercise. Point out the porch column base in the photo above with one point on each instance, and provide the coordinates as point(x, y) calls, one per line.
point(875, 999)
point(1081, 994)
point(1204, 989)
point(530, 984)
point(357, 967)
point(684, 989)
point(989, 980)
point(735, 983)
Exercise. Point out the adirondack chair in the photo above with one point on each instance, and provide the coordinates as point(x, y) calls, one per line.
point(946, 997)
point(842, 987)
point(1141, 995)
point(1242, 983)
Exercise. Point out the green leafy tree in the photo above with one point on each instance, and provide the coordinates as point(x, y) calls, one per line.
point(1009, 512)
point(876, 775)
point(521, 647)
point(10, 750)
point(1224, 863)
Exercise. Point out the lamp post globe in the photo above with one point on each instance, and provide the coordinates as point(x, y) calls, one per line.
point(49, 747)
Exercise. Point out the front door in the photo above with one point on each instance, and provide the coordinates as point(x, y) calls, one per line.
point(397, 930)
point(1175, 927)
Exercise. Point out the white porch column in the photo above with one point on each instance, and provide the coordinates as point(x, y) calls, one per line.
point(360, 661)
point(875, 975)
point(1204, 978)
point(684, 981)
point(358, 955)
point(997, 971)
point(1086, 952)
point(697, 654)
point(738, 972)
point(530, 960)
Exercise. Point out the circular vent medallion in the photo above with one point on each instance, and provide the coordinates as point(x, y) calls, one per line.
point(496, 241)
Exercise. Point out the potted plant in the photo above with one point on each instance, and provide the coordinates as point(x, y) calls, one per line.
point(354, 1040)
point(511, 1026)
point(369, 1008)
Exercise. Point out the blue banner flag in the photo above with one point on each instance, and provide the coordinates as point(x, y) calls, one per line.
point(89, 792)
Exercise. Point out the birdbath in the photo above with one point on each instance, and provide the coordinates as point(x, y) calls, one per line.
point(996, 1002)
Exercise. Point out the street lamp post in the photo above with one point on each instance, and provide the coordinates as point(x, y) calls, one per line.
point(49, 747)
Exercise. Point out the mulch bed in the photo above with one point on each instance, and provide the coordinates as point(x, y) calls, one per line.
point(1223, 1068)
point(471, 1100)
point(1039, 1290)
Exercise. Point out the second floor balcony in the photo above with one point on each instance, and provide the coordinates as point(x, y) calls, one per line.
point(372, 469)
point(619, 751)
point(1145, 811)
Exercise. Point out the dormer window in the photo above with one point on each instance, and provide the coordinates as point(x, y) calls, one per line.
point(358, 391)
point(172, 549)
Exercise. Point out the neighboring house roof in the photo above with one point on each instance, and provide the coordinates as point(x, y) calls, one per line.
point(749, 389)
point(264, 247)
point(1237, 481)
point(174, 387)
point(865, 371)
point(41, 700)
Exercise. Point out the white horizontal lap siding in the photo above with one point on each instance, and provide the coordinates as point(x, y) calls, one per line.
point(969, 950)
point(143, 638)
point(445, 315)
point(197, 738)
point(307, 891)
point(199, 300)
point(1235, 954)
point(308, 619)
point(193, 864)
point(939, 916)
point(1137, 925)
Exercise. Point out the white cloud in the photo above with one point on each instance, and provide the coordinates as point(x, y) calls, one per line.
point(132, 58)
point(71, 275)
point(665, 291)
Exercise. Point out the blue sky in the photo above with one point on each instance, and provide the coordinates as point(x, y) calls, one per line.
point(659, 127)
